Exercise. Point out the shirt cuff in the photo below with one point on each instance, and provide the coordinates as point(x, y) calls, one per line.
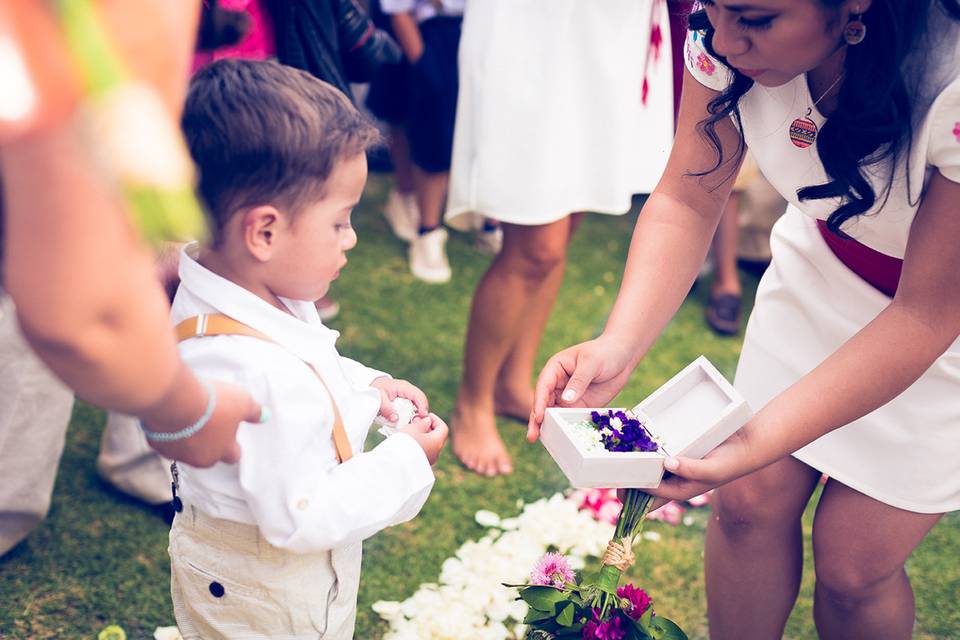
point(403, 445)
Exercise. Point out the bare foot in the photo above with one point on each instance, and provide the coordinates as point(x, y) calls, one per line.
point(477, 443)
point(512, 404)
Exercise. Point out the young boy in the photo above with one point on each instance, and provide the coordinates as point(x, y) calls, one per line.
point(270, 546)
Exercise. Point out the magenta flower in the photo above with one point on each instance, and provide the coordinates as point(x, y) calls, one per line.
point(609, 629)
point(552, 570)
point(638, 598)
point(671, 513)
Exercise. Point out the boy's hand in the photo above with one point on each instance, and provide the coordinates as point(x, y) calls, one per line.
point(390, 389)
point(430, 432)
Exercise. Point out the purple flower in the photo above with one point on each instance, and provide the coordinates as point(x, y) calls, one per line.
point(552, 570)
point(608, 629)
point(638, 598)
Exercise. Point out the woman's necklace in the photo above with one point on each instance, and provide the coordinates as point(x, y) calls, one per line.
point(803, 131)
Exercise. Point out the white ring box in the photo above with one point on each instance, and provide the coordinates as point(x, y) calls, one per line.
point(689, 415)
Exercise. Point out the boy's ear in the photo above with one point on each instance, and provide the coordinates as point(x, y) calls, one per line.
point(260, 228)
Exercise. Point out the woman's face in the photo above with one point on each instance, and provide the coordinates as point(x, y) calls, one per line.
point(774, 41)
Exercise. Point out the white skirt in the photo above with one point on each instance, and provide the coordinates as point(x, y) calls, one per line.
point(550, 117)
point(906, 453)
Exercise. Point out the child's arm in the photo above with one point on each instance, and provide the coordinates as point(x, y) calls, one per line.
point(301, 498)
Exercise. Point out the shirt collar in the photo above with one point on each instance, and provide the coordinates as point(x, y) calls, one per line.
point(300, 331)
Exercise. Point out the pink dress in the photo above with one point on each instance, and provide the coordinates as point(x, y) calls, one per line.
point(259, 43)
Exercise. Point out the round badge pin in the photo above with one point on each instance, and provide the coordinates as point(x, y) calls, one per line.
point(803, 132)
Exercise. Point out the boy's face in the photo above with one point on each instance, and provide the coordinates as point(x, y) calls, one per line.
point(312, 244)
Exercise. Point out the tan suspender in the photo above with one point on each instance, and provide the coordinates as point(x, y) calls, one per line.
point(216, 324)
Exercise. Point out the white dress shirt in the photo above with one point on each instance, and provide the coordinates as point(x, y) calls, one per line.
point(288, 481)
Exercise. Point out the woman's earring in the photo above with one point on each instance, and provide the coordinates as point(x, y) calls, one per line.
point(855, 31)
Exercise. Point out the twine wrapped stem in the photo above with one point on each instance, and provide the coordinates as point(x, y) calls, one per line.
point(619, 554)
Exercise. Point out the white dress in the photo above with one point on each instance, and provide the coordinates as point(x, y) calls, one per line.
point(551, 117)
point(906, 453)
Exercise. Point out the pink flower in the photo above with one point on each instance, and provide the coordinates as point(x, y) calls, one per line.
point(956, 131)
point(705, 64)
point(552, 570)
point(639, 600)
point(609, 629)
point(602, 504)
point(700, 500)
point(671, 513)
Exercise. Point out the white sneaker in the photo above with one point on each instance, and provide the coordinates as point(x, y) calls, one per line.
point(428, 256)
point(490, 241)
point(402, 214)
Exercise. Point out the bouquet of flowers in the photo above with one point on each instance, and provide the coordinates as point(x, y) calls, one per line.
point(561, 606)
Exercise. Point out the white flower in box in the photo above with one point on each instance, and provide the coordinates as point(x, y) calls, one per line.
point(689, 415)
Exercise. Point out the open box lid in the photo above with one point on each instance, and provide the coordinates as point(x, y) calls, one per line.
point(694, 411)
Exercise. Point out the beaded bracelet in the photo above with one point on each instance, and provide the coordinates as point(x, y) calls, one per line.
point(186, 432)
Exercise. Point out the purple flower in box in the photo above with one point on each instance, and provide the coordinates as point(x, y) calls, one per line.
point(621, 431)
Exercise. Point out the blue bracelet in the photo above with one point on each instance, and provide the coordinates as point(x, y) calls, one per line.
point(186, 432)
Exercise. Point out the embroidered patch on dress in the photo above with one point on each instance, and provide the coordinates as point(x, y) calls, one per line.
point(705, 64)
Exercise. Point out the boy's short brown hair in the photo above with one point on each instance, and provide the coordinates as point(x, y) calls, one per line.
point(265, 134)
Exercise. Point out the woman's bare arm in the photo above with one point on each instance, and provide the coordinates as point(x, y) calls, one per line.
point(669, 244)
point(876, 365)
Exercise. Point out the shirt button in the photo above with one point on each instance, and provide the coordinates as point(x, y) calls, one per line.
point(302, 504)
point(216, 589)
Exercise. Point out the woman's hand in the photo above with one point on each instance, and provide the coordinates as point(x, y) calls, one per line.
point(689, 477)
point(589, 374)
point(217, 441)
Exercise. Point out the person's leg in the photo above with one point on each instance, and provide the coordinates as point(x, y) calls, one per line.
point(401, 209)
point(400, 157)
point(723, 308)
point(501, 307)
point(34, 414)
point(754, 551)
point(513, 396)
point(431, 193)
point(428, 253)
point(127, 462)
point(860, 546)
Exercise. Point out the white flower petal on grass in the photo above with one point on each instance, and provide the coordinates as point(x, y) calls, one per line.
point(509, 524)
point(487, 518)
point(652, 536)
point(469, 599)
point(167, 633)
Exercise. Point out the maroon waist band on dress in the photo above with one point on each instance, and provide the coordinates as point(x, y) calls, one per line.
point(878, 269)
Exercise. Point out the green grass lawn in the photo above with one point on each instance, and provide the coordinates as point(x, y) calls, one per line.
point(100, 558)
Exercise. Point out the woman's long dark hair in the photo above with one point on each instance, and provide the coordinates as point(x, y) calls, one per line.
point(874, 118)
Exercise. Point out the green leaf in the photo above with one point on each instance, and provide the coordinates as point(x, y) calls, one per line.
point(535, 615)
point(646, 617)
point(565, 617)
point(642, 631)
point(542, 598)
point(664, 629)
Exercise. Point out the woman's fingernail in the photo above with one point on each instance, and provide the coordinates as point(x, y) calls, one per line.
point(265, 414)
point(671, 464)
point(569, 395)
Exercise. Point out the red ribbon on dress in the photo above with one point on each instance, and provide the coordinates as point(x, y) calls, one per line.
point(878, 269)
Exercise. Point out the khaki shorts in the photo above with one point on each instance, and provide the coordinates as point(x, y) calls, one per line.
point(227, 581)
